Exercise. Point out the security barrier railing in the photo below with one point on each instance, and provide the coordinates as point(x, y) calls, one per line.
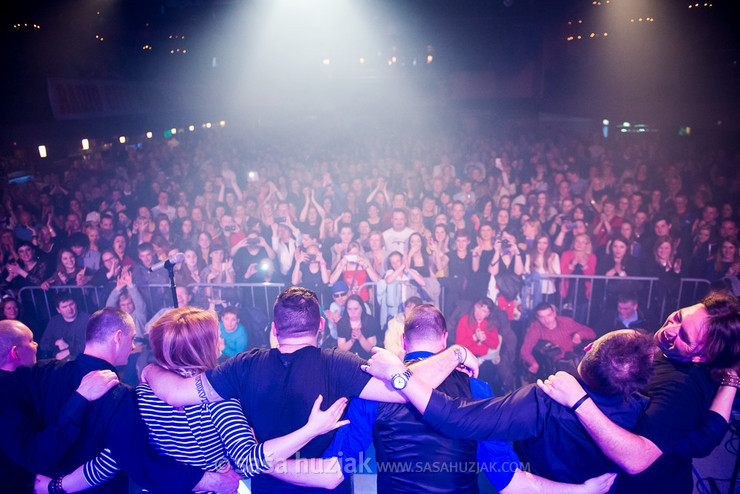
point(657, 297)
point(42, 303)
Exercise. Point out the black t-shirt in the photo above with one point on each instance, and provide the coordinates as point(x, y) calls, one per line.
point(370, 327)
point(680, 393)
point(277, 391)
point(242, 259)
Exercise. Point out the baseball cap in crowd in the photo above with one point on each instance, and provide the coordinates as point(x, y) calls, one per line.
point(93, 217)
point(339, 287)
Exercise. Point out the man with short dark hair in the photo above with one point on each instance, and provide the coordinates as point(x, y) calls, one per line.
point(45, 393)
point(627, 315)
point(278, 387)
point(80, 245)
point(155, 298)
point(694, 341)
point(561, 331)
point(64, 337)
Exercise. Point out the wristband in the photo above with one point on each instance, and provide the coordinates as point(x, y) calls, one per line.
point(730, 380)
point(579, 403)
point(55, 486)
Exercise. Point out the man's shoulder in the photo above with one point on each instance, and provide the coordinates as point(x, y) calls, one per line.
point(566, 321)
point(55, 321)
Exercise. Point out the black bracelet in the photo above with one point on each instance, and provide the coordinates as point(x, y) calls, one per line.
point(55, 486)
point(579, 403)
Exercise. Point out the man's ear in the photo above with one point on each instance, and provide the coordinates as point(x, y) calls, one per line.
point(14, 353)
point(321, 324)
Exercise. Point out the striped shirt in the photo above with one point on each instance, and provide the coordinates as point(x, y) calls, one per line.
point(207, 436)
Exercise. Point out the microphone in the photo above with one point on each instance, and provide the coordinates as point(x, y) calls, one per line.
point(176, 259)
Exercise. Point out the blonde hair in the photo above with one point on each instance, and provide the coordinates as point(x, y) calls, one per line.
point(185, 340)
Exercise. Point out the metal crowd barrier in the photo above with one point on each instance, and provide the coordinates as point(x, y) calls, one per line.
point(42, 303)
point(262, 296)
point(655, 297)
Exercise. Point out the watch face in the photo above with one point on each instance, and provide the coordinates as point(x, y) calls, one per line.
point(398, 382)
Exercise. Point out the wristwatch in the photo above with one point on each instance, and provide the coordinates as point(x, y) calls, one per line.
point(399, 381)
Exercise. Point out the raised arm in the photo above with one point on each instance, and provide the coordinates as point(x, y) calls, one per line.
point(430, 372)
point(176, 390)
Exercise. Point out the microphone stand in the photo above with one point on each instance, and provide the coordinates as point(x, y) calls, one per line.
point(171, 271)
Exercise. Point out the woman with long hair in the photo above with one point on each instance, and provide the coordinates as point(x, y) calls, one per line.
point(543, 260)
point(419, 267)
point(355, 269)
point(376, 254)
point(203, 249)
point(486, 331)
point(725, 262)
point(440, 247)
point(209, 436)
point(10, 309)
point(357, 330)
point(68, 271)
point(580, 261)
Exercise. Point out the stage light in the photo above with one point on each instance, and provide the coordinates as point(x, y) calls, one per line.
point(626, 124)
point(85, 144)
point(149, 135)
point(191, 128)
point(42, 151)
point(605, 122)
point(122, 140)
point(362, 60)
point(222, 123)
point(429, 59)
point(173, 130)
point(208, 125)
point(326, 61)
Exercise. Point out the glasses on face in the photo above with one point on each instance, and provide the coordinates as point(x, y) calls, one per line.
point(339, 295)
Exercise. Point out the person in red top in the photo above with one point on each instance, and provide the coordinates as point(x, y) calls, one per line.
point(562, 331)
point(486, 332)
point(606, 224)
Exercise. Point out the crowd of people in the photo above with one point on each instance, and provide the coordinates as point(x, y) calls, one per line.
point(473, 223)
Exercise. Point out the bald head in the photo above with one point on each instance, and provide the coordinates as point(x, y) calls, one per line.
point(16, 345)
